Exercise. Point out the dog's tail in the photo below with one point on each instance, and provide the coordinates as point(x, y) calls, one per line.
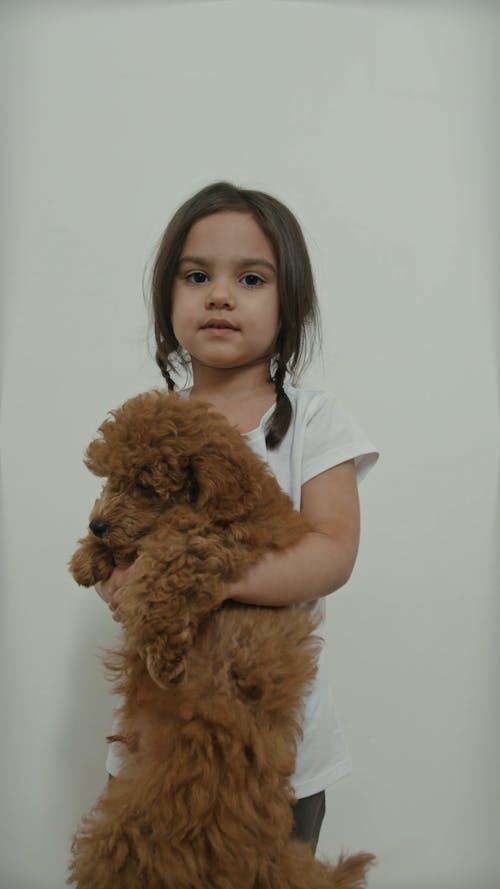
point(303, 871)
point(351, 870)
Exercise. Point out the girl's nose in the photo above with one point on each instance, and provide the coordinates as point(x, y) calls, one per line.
point(219, 297)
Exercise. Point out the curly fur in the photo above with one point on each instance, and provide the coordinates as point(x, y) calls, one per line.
point(212, 689)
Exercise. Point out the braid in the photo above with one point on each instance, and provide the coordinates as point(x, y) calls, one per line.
point(279, 420)
point(164, 371)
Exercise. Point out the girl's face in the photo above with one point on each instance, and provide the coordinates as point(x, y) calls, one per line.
point(225, 306)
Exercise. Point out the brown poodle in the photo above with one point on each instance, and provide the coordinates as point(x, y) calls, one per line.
point(212, 689)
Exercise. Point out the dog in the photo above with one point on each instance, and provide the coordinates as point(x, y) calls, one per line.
point(212, 690)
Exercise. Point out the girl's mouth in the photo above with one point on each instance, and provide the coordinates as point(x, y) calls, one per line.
point(219, 331)
point(218, 324)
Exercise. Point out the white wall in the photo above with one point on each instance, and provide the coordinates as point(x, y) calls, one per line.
point(375, 123)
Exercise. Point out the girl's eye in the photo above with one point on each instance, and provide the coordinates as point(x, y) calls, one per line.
point(196, 276)
point(255, 280)
point(250, 279)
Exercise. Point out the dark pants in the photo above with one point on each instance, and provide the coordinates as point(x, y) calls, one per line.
point(308, 814)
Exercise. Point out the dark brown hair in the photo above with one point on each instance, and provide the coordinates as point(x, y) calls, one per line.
point(298, 306)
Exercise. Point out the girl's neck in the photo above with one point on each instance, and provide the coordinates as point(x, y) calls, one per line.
point(243, 395)
point(223, 385)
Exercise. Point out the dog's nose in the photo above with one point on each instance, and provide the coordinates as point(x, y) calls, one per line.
point(98, 527)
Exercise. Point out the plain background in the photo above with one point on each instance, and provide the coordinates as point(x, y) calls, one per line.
point(375, 122)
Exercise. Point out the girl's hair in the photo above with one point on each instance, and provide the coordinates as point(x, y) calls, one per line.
point(298, 306)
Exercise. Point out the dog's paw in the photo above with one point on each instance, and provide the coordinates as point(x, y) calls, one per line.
point(90, 563)
point(163, 664)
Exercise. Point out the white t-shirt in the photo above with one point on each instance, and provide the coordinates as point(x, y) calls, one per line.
point(321, 435)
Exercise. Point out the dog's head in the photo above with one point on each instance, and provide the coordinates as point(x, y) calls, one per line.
point(158, 451)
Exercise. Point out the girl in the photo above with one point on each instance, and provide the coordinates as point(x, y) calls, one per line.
point(234, 302)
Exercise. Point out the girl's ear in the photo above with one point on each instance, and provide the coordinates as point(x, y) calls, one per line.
point(228, 487)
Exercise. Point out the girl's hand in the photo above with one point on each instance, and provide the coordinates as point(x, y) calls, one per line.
point(110, 589)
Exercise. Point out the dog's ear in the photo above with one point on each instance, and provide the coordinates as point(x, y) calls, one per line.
point(173, 480)
point(210, 482)
point(226, 486)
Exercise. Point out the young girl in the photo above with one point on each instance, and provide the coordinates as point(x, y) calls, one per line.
point(234, 301)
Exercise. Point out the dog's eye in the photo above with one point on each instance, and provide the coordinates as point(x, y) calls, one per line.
point(145, 489)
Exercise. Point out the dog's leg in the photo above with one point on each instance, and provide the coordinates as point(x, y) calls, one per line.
point(127, 840)
point(102, 849)
point(178, 582)
point(171, 825)
point(270, 656)
point(91, 562)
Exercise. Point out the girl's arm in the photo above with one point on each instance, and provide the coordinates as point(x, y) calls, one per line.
point(322, 561)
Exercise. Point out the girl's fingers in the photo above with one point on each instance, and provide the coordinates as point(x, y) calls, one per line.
point(110, 589)
point(114, 606)
point(101, 591)
point(114, 600)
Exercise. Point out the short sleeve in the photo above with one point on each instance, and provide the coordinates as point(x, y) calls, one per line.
point(332, 436)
